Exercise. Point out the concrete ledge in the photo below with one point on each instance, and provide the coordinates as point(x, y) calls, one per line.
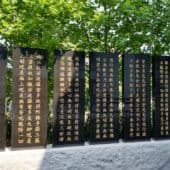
point(118, 156)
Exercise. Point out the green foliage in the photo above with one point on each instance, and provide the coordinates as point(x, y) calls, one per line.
point(87, 24)
point(102, 25)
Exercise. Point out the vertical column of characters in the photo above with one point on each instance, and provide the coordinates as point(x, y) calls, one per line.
point(61, 103)
point(98, 102)
point(131, 86)
point(21, 102)
point(143, 96)
point(138, 98)
point(76, 96)
point(111, 67)
point(37, 130)
point(104, 95)
point(166, 88)
point(29, 101)
point(162, 97)
point(69, 97)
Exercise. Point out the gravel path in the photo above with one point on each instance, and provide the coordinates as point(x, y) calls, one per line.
point(151, 155)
